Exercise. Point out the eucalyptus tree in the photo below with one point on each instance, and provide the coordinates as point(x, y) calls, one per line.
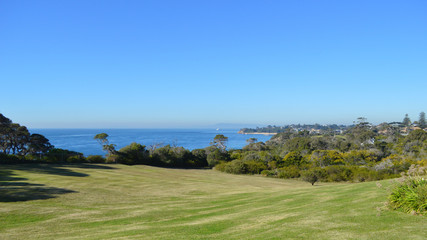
point(39, 144)
point(220, 141)
point(4, 130)
point(16, 139)
point(102, 138)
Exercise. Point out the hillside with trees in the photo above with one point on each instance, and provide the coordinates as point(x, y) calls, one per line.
point(360, 152)
point(312, 128)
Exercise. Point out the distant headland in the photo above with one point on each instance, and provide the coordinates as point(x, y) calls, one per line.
point(259, 133)
point(312, 128)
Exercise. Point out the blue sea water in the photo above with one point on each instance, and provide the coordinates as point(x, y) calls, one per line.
point(81, 140)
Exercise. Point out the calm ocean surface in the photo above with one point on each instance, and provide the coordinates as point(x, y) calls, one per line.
point(81, 140)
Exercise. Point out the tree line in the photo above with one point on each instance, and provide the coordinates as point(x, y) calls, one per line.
point(362, 152)
point(17, 140)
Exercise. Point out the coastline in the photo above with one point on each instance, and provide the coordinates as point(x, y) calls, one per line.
point(257, 133)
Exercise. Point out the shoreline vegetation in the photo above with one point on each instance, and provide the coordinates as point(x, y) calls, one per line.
point(255, 133)
point(312, 128)
point(312, 153)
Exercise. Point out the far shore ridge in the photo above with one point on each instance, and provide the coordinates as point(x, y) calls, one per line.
point(258, 133)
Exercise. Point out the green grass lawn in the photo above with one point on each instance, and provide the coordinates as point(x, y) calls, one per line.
point(141, 202)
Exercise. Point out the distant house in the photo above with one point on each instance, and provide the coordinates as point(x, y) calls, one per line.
point(314, 131)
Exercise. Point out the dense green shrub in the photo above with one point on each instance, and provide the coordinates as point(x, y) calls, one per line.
point(96, 159)
point(33, 157)
point(321, 158)
point(215, 156)
point(298, 144)
point(9, 158)
point(62, 155)
point(254, 167)
point(241, 167)
point(269, 173)
point(258, 146)
point(198, 158)
point(313, 175)
point(410, 195)
point(235, 154)
point(291, 159)
point(111, 158)
point(289, 172)
point(169, 156)
point(251, 156)
point(76, 159)
point(337, 174)
point(361, 157)
point(362, 174)
point(236, 167)
point(133, 153)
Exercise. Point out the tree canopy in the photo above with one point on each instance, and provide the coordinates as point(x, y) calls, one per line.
point(220, 141)
point(16, 139)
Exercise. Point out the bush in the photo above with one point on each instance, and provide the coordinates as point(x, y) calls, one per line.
point(9, 158)
point(291, 159)
point(215, 156)
point(338, 174)
point(410, 195)
point(76, 159)
point(235, 154)
point(33, 158)
point(259, 146)
point(321, 158)
point(361, 157)
point(61, 155)
point(198, 158)
point(169, 156)
point(241, 167)
point(289, 172)
point(313, 175)
point(133, 153)
point(363, 174)
point(269, 173)
point(96, 159)
point(254, 167)
point(111, 158)
point(234, 167)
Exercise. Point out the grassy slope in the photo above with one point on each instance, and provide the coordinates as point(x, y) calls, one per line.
point(140, 202)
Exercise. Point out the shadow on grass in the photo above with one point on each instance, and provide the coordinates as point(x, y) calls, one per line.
point(56, 169)
point(14, 189)
point(27, 193)
point(88, 166)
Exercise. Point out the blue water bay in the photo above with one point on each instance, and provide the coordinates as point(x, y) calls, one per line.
point(81, 140)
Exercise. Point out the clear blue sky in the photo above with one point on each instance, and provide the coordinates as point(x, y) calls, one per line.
point(197, 63)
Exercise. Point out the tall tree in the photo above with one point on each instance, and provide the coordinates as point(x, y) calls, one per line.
point(16, 139)
point(4, 131)
point(21, 138)
point(102, 138)
point(406, 121)
point(422, 120)
point(39, 144)
point(220, 141)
